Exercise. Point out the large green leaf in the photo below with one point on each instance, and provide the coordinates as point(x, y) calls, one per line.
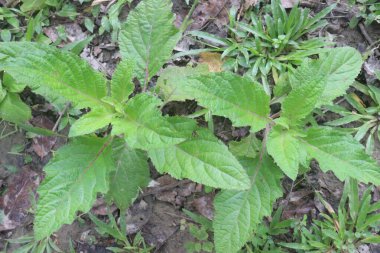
point(11, 85)
point(339, 67)
point(250, 146)
point(74, 176)
point(3, 92)
point(131, 174)
point(237, 213)
point(51, 72)
point(91, 122)
point(284, 147)
point(168, 80)
point(144, 127)
point(121, 84)
point(148, 37)
point(203, 159)
point(244, 102)
point(344, 65)
point(12, 109)
point(341, 153)
point(305, 94)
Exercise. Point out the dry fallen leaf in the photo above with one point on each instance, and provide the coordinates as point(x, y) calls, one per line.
point(96, 2)
point(15, 203)
point(289, 3)
point(249, 3)
point(215, 11)
point(204, 206)
point(213, 60)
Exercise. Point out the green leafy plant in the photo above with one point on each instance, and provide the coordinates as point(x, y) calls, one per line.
point(365, 117)
point(201, 233)
point(263, 240)
point(286, 138)
point(29, 244)
point(369, 11)
point(356, 223)
point(267, 43)
point(202, 243)
point(119, 233)
point(109, 146)
point(110, 22)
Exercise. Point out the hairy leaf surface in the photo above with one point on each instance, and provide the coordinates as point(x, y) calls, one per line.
point(130, 175)
point(247, 147)
point(237, 213)
point(284, 147)
point(306, 92)
point(144, 127)
point(338, 67)
point(91, 122)
point(203, 159)
point(168, 80)
point(342, 154)
point(148, 37)
point(344, 65)
point(74, 176)
point(244, 102)
point(48, 71)
point(121, 84)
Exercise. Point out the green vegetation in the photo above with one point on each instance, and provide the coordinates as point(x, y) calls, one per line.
point(118, 131)
point(268, 41)
point(369, 11)
point(356, 223)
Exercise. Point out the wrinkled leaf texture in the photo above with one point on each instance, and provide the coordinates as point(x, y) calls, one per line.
point(74, 176)
point(237, 213)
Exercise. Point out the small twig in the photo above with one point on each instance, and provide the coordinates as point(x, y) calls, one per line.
point(185, 22)
point(363, 30)
point(159, 189)
point(109, 5)
point(217, 14)
point(60, 116)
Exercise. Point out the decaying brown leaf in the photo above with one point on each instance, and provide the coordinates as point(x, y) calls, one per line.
point(16, 202)
point(213, 61)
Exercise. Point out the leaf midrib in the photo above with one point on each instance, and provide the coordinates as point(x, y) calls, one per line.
point(236, 106)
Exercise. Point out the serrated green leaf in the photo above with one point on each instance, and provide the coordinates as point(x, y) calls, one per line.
point(32, 5)
point(237, 213)
point(14, 110)
point(3, 92)
point(130, 175)
point(284, 147)
point(49, 71)
point(121, 84)
point(91, 122)
point(203, 159)
point(340, 153)
point(74, 176)
point(148, 37)
point(248, 147)
point(244, 102)
point(11, 85)
point(144, 127)
point(343, 65)
point(306, 91)
point(167, 82)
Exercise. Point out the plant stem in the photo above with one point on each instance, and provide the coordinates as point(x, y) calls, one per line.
point(262, 152)
point(185, 22)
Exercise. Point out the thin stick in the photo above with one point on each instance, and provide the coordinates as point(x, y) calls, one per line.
point(363, 30)
point(60, 117)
